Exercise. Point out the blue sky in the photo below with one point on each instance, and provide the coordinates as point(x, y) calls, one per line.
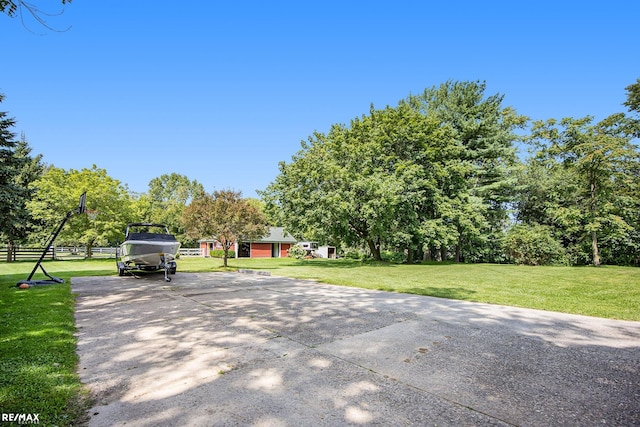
point(221, 92)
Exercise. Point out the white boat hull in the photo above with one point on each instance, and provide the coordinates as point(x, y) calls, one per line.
point(147, 250)
point(145, 253)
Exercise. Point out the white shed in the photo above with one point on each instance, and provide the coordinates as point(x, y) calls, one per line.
point(326, 252)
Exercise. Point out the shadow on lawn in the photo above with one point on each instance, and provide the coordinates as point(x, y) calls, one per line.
point(328, 264)
point(11, 280)
point(343, 263)
point(450, 293)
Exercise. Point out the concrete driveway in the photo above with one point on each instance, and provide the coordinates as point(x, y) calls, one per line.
point(226, 349)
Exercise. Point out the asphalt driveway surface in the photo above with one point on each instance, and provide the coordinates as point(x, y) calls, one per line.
point(232, 349)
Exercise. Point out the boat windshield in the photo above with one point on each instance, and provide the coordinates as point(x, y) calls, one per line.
point(146, 229)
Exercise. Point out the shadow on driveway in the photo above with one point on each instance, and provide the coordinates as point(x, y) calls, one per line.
point(230, 349)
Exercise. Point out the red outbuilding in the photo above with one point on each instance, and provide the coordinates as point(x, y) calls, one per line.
point(275, 245)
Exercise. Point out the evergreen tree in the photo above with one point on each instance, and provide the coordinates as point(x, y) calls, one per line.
point(17, 171)
point(476, 164)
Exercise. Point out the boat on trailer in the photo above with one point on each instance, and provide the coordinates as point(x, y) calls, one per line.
point(148, 247)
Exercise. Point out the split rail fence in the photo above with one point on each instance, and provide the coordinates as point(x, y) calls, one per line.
point(62, 253)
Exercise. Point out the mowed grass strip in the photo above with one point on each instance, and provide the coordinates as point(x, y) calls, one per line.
point(38, 361)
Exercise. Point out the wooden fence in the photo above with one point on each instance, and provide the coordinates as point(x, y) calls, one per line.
point(23, 254)
point(61, 253)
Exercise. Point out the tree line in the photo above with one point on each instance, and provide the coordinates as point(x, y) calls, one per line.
point(436, 177)
point(34, 198)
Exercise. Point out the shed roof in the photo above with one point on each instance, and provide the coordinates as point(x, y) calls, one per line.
point(276, 235)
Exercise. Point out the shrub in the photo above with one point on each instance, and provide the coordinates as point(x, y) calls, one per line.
point(534, 245)
point(354, 253)
point(219, 253)
point(296, 252)
point(393, 257)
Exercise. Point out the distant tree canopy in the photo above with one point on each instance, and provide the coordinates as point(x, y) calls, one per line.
point(57, 191)
point(164, 203)
point(436, 177)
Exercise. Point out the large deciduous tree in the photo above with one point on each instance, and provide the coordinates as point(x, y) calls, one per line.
point(592, 173)
point(433, 171)
point(58, 191)
point(357, 184)
point(225, 216)
point(633, 96)
point(168, 196)
point(633, 104)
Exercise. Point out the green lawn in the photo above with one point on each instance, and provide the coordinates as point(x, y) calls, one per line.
point(607, 291)
point(37, 344)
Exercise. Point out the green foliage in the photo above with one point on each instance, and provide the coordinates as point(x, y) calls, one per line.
point(17, 170)
point(355, 253)
point(166, 200)
point(534, 245)
point(219, 253)
point(11, 193)
point(57, 192)
point(633, 104)
point(584, 181)
point(296, 252)
point(438, 174)
point(395, 257)
point(434, 171)
point(225, 216)
point(633, 96)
